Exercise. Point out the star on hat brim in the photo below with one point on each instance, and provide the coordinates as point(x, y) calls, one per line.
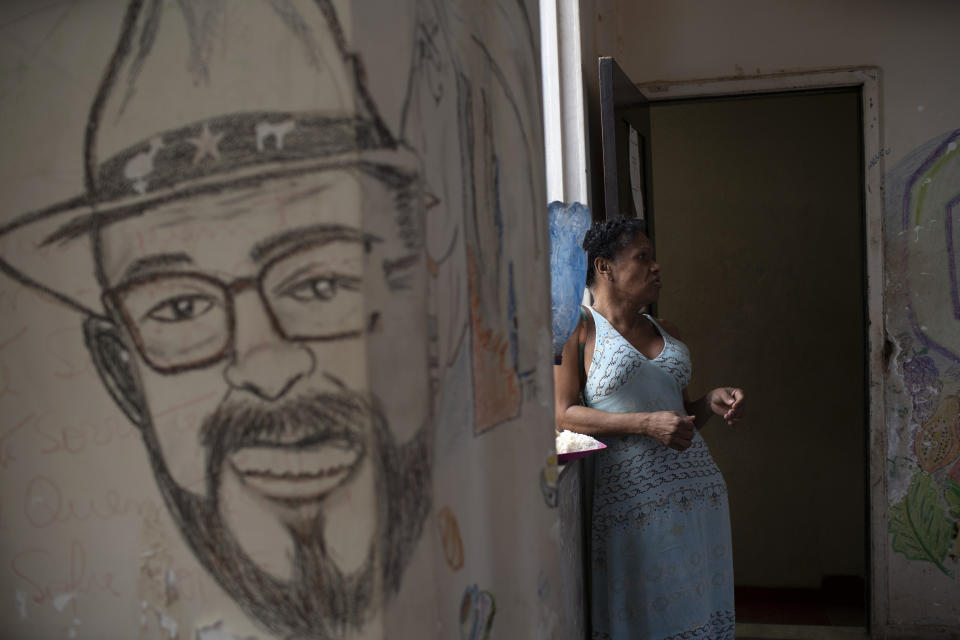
point(206, 145)
point(50, 250)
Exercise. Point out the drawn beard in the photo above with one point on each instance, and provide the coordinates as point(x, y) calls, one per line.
point(319, 600)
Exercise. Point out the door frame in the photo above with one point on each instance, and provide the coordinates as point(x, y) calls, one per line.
point(867, 79)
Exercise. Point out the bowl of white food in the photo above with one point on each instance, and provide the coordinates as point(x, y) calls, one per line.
point(571, 446)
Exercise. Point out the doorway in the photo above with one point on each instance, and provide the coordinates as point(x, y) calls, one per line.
point(761, 233)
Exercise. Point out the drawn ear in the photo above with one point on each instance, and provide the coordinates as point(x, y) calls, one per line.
point(115, 366)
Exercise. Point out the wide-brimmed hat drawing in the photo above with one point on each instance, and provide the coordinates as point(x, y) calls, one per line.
point(188, 106)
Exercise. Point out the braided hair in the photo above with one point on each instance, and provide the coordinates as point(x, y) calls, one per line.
point(606, 238)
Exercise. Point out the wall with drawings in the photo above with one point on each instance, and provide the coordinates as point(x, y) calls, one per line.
point(922, 194)
point(275, 353)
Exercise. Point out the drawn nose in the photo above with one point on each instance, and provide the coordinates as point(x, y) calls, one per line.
point(264, 363)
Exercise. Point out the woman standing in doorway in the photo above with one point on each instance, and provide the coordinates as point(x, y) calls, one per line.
point(660, 544)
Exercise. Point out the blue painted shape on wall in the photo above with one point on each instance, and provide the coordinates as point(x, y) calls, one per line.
point(568, 268)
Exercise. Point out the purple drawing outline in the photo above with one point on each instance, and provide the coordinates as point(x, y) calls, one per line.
point(928, 342)
point(951, 258)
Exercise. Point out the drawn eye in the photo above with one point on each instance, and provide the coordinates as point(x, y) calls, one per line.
point(314, 289)
point(321, 287)
point(180, 309)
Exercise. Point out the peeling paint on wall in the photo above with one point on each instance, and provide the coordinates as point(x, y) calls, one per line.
point(568, 268)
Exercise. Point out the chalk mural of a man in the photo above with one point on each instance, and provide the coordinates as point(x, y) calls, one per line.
point(263, 244)
point(251, 255)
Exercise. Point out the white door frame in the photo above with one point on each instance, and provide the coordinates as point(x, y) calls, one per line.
point(867, 79)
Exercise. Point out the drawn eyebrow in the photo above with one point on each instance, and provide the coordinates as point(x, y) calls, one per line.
point(315, 234)
point(149, 263)
point(400, 264)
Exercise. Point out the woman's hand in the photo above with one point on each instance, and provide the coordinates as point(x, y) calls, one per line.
point(727, 402)
point(669, 428)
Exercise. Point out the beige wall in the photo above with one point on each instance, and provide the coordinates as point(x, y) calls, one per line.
point(916, 48)
point(914, 43)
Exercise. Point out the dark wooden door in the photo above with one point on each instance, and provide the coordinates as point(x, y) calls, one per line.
point(625, 139)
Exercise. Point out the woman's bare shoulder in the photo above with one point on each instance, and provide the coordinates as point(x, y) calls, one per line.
point(585, 324)
point(585, 316)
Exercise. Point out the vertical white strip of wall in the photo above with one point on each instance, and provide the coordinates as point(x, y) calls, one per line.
point(552, 123)
point(576, 167)
point(564, 118)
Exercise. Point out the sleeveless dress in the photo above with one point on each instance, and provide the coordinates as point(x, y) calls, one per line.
point(661, 557)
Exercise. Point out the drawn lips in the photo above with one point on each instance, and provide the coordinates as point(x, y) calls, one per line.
point(296, 472)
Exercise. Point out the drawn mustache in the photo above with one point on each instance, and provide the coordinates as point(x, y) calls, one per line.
point(299, 422)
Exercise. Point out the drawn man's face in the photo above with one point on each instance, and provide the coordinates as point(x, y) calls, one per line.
point(275, 332)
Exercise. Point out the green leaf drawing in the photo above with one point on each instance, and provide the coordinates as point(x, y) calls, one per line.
point(952, 494)
point(919, 524)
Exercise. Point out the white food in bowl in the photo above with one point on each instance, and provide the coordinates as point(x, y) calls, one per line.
point(569, 442)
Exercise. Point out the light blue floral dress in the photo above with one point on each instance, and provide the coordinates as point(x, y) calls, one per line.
point(661, 555)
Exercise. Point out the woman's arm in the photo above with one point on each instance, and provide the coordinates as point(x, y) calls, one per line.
point(722, 401)
point(668, 427)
